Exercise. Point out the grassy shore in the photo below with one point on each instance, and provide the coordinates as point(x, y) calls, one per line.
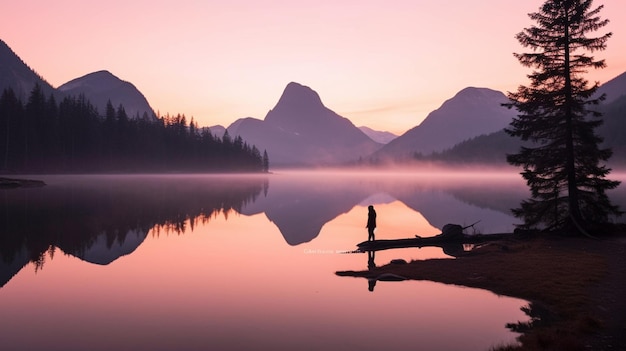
point(574, 286)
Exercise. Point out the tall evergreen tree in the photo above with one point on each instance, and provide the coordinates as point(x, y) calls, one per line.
point(34, 119)
point(563, 164)
point(11, 128)
point(266, 162)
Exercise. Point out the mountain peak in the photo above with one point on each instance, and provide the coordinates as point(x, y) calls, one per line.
point(101, 74)
point(299, 109)
point(479, 93)
point(100, 80)
point(472, 96)
point(299, 96)
point(102, 86)
point(301, 130)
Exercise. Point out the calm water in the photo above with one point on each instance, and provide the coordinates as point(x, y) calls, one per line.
point(206, 262)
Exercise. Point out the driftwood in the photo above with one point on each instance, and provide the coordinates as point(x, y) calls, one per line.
point(451, 240)
point(438, 240)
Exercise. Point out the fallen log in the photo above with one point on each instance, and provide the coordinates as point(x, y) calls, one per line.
point(438, 240)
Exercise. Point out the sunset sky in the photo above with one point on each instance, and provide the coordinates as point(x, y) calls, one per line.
point(384, 64)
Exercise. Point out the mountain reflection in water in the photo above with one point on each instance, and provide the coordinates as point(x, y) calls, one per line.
point(100, 218)
point(87, 216)
point(257, 258)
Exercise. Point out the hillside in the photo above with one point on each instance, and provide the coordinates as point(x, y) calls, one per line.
point(471, 112)
point(17, 75)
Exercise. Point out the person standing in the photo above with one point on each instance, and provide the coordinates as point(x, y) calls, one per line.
point(371, 222)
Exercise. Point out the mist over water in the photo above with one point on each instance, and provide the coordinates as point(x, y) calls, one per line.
point(237, 262)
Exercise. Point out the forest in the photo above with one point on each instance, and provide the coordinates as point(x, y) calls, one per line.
point(42, 135)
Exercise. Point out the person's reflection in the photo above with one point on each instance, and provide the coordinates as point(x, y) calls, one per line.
point(371, 282)
point(370, 260)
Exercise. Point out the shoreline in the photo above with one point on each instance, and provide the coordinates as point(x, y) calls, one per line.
point(573, 285)
point(10, 183)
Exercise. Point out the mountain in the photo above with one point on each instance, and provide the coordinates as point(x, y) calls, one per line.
point(471, 112)
point(380, 137)
point(614, 89)
point(283, 148)
point(493, 148)
point(100, 250)
point(300, 130)
point(15, 74)
point(10, 266)
point(98, 87)
point(217, 130)
point(301, 206)
point(102, 86)
point(612, 130)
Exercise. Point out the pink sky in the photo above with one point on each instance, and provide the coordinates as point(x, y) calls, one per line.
point(384, 64)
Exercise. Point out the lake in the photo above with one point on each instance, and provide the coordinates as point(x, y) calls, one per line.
point(242, 262)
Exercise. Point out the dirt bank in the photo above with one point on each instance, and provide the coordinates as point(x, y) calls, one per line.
point(575, 286)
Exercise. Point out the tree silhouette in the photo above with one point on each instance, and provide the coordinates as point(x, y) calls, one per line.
point(564, 165)
point(42, 136)
point(266, 162)
point(11, 127)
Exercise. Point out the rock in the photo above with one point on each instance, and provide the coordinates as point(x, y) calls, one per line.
point(452, 231)
point(398, 261)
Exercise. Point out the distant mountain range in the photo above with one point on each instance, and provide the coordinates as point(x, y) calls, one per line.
point(381, 137)
point(300, 130)
point(98, 87)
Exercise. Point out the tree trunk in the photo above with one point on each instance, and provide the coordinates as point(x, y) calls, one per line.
point(570, 165)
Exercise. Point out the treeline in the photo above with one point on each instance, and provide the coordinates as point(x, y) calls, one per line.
point(493, 148)
point(72, 216)
point(483, 149)
point(42, 135)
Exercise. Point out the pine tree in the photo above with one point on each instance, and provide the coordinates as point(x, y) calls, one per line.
point(266, 162)
point(562, 161)
point(11, 128)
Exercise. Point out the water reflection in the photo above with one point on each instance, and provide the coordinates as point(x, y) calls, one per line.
point(301, 205)
point(371, 282)
point(101, 218)
point(538, 314)
point(256, 259)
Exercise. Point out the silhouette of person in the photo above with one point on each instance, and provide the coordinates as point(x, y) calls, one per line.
point(371, 222)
